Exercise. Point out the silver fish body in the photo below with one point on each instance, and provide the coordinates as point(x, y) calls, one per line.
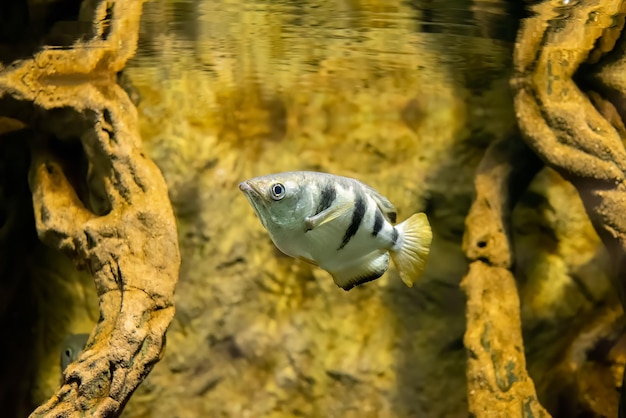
point(71, 347)
point(340, 224)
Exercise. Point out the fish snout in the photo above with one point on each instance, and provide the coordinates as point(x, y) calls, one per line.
point(250, 189)
point(244, 186)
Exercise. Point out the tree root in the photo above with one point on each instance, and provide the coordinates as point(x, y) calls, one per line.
point(564, 129)
point(120, 227)
point(497, 380)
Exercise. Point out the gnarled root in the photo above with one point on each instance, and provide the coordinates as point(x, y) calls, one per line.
point(497, 380)
point(560, 124)
point(119, 226)
point(131, 251)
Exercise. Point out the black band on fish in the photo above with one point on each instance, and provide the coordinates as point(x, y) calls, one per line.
point(364, 279)
point(392, 217)
point(357, 218)
point(378, 222)
point(394, 236)
point(329, 194)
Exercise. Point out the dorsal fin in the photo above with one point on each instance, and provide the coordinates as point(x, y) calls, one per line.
point(385, 206)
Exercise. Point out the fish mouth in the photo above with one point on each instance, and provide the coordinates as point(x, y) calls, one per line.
point(249, 189)
point(252, 193)
point(255, 198)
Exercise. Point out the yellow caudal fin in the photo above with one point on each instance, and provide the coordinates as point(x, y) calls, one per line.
point(412, 247)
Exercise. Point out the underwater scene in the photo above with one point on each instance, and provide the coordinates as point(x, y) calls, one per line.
point(313, 208)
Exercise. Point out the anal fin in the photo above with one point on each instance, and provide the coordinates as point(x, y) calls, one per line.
point(308, 260)
point(370, 268)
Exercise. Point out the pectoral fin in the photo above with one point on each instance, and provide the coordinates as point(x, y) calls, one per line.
point(312, 222)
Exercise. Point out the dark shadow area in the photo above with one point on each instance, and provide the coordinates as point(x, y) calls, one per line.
point(576, 361)
point(34, 301)
point(25, 26)
point(561, 346)
point(593, 76)
point(490, 19)
point(58, 132)
point(36, 293)
point(18, 305)
point(430, 357)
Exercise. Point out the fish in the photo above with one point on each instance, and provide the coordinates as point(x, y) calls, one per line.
point(339, 224)
point(71, 347)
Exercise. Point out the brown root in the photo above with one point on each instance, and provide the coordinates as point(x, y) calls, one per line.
point(122, 228)
point(578, 135)
point(497, 379)
point(564, 128)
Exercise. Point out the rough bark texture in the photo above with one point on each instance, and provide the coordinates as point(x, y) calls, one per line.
point(563, 127)
point(119, 226)
point(497, 381)
point(584, 144)
point(581, 137)
point(503, 174)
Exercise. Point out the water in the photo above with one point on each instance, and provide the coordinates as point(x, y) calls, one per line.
point(240, 73)
point(402, 95)
point(284, 41)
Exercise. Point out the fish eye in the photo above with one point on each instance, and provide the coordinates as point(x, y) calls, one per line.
point(278, 191)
